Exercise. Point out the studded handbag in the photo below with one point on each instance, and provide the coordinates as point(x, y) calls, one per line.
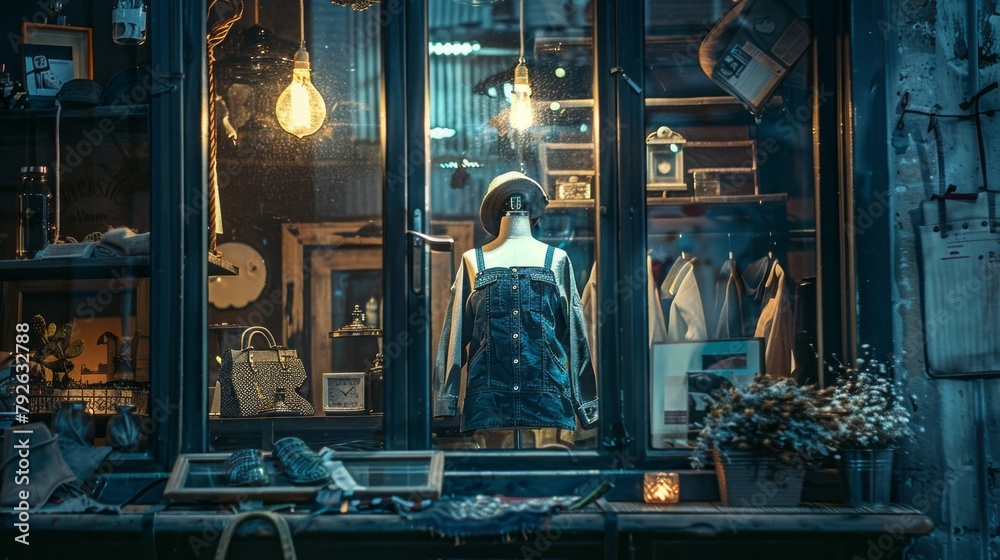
point(261, 381)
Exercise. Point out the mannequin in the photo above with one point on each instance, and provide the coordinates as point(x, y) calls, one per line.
point(514, 338)
point(514, 246)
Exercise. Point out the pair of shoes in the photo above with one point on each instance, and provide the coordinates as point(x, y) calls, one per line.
point(298, 463)
point(245, 468)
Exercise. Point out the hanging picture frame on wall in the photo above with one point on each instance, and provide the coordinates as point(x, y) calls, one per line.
point(54, 55)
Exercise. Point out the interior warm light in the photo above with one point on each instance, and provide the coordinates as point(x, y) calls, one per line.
point(300, 108)
point(521, 115)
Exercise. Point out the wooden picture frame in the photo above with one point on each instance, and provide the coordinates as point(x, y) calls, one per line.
point(45, 47)
point(313, 253)
point(199, 477)
point(684, 374)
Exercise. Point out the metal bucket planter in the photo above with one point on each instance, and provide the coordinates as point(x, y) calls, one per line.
point(865, 476)
point(748, 479)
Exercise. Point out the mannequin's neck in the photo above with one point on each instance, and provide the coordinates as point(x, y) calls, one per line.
point(515, 225)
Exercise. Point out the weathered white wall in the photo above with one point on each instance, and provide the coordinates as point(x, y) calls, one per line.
point(927, 56)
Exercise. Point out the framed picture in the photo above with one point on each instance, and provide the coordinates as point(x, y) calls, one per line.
point(54, 55)
point(683, 375)
point(200, 477)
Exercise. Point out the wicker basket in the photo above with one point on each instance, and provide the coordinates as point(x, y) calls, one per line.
point(749, 479)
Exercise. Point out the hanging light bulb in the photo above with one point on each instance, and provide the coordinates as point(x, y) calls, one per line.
point(300, 108)
point(521, 114)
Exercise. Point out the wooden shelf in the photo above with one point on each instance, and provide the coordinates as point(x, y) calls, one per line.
point(717, 200)
point(570, 103)
point(571, 203)
point(101, 111)
point(70, 268)
point(217, 266)
point(690, 101)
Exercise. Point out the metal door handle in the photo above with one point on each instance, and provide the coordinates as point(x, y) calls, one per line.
point(421, 242)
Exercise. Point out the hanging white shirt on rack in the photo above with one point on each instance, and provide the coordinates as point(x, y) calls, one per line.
point(686, 318)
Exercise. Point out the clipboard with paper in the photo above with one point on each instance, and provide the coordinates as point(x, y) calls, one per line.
point(960, 273)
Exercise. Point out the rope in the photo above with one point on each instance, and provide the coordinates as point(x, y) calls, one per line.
point(216, 35)
point(521, 57)
point(302, 24)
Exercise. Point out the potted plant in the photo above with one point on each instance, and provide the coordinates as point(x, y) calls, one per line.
point(761, 438)
point(867, 420)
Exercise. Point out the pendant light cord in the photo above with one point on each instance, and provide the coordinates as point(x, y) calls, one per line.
point(521, 59)
point(302, 24)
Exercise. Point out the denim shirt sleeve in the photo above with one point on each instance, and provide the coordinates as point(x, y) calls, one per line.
point(583, 377)
point(446, 378)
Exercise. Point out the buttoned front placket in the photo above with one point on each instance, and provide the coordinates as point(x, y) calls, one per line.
point(516, 329)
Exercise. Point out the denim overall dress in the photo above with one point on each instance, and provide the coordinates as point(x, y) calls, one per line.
point(517, 369)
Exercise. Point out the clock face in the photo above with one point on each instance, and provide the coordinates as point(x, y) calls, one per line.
point(344, 392)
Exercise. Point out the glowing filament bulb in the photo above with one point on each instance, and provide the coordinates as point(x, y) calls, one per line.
point(521, 115)
point(300, 108)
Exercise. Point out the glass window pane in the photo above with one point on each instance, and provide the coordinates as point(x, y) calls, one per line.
point(301, 217)
point(513, 369)
point(730, 206)
point(75, 331)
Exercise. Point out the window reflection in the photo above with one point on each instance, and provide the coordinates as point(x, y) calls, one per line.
point(731, 218)
point(308, 213)
point(481, 127)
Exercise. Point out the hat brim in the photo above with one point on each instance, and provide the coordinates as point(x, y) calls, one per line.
point(494, 203)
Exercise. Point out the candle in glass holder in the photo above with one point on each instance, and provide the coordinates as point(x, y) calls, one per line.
point(661, 487)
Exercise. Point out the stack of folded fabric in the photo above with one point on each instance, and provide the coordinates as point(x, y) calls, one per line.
point(118, 242)
point(122, 242)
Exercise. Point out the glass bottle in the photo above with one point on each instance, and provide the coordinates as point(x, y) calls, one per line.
point(34, 212)
point(128, 22)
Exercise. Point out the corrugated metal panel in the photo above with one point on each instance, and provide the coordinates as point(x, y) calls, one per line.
point(365, 79)
point(345, 46)
point(445, 14)
point(454, 105)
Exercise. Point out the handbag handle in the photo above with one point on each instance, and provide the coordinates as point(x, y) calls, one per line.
point(247, 337)
point(284, 533)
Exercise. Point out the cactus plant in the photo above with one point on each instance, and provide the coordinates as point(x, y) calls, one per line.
point(54, 346)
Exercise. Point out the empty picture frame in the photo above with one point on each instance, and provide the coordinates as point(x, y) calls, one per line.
point(200, 477)
point(54, 55)
point(683, 375)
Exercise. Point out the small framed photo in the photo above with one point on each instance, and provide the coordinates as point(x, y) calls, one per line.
point(683, 376)
point(344, 392)
point(54, 55)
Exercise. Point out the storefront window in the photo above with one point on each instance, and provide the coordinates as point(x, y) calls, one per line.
point(75, 258)
point(731, 205)
point(510, 369)
point(301, 218)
